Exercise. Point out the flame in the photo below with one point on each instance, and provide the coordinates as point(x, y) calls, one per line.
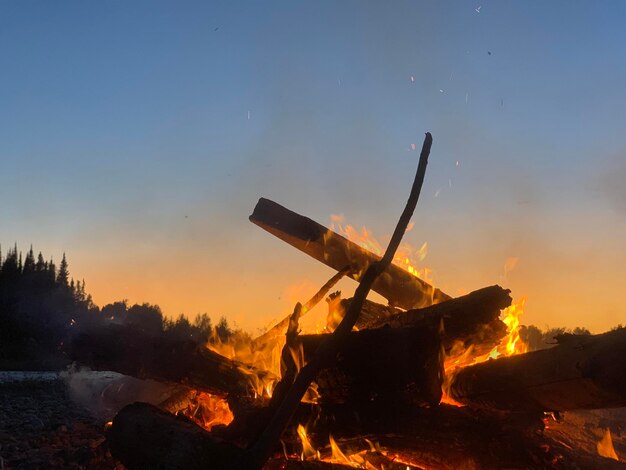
point(514, 344)
point(308, 451)
point(461, 356)
point(337, 456)
point(407, 256)
point(605, 446)
point(356, 460)
point(266, 357)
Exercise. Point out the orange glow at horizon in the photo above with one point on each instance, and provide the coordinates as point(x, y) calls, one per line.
point(254, 280)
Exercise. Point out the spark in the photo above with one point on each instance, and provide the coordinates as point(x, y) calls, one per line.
point(437, 192)
point(440, 90)
point(466, 97)
point(477, 10)
point(457, 163)
point(412, 78)
point(248, 115)
point(412, 146)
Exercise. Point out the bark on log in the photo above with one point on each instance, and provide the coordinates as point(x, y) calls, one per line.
point(383, 365)
point(581, 372)
point(129, 351)
point(395, 284)
point(472, 318)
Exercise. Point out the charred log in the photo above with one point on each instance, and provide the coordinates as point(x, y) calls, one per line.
point(581, 372)
point(395, 284)
point(382, 365)
point(142, 436)
point(130, 351)
point(470, 319)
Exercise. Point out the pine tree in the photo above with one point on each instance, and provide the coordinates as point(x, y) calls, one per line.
point(63, 276)
point(41, 264)
point(29, 262)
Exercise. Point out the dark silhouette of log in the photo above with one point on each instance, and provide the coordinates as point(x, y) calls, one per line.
point(395, 284)
point(142, 436)
point(383, 365)
point(129, 351)
point(581, 372)
point(471, 319)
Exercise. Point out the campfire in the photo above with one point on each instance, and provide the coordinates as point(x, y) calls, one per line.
point(426, 381)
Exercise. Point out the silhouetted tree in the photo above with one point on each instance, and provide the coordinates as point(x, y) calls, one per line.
point(63, 276)
point(223, 330)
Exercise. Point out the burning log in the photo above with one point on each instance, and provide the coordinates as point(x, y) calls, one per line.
point(471, 319)
point(400, 365)
point(581, 372)
point(395, 284)
point(129, 351)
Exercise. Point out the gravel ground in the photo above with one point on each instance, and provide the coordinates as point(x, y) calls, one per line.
point(42, 428)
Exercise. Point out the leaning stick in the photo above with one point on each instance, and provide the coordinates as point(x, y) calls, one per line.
point(279, 328)
point(258, 453)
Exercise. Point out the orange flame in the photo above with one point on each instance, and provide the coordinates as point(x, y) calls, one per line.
point(239, 347)
point(605, 446)
point(308, 451)
point(407, 256)
point(460, 356)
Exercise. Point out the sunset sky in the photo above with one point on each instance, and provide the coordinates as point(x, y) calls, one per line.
point(137, 136)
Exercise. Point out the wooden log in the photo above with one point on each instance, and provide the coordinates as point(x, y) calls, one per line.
point(129, 351)
point(581, 372)
point(384, 365)
point(470, 319)
point(142, 436)
point(395, 284)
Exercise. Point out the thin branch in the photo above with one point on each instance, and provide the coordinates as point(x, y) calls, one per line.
point(279, 328)
point(261, 450)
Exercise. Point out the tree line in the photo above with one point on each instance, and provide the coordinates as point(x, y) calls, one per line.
point(41, 304)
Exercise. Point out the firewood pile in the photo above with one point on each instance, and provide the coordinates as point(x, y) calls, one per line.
point(375, 390)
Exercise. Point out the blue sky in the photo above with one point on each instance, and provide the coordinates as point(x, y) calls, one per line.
point(137, 137)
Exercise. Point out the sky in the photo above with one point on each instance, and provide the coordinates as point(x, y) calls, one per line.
point(137, 137)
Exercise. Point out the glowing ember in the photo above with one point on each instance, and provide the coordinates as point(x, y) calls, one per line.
point(208, 410)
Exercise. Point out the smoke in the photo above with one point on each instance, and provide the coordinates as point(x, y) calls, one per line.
point(612, 183)
point(103, 394)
